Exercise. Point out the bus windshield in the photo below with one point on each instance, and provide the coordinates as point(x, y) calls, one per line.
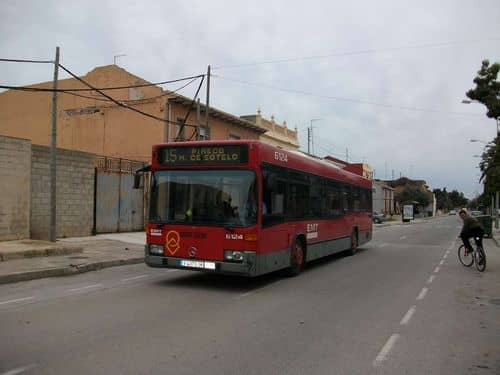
point(213, 197)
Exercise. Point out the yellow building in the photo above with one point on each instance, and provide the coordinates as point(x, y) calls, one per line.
point(90, 122)
point(277, 135)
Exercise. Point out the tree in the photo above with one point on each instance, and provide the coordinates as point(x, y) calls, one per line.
point(411, 193)
point(448, 201)
point(490, 167)
point(487, 90)
point(458, 199)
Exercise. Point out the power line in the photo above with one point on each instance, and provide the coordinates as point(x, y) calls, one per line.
point(119, 103)
point(38, 89)
point(338, 98)
point(189, 111)
point(166, 93)
point(28, 61)
point(359, 52)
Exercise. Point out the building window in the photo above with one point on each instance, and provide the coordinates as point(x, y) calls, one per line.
point(234, 136)
point(204, 133)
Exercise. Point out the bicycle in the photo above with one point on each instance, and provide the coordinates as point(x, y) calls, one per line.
point(477, 256)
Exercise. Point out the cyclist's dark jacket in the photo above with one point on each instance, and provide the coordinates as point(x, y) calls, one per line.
point(470, 224)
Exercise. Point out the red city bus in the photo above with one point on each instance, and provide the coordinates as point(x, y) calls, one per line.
point(248, 208)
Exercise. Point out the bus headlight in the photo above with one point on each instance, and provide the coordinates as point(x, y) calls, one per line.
point(156, 249)
point(233, 256)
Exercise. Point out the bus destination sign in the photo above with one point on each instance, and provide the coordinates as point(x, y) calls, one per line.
point(203, 155)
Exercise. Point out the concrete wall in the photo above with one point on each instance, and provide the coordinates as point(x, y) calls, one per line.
point(75, 193)
point(15, 169)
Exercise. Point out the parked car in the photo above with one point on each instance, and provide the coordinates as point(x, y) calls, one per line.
point(476, 213)
point(452, 212)
point(378, 217)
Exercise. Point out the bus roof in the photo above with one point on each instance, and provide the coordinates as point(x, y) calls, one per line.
point(294, 159)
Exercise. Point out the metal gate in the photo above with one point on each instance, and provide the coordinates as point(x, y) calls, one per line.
point(118, 206)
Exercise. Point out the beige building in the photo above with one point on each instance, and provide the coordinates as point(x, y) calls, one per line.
point(88, 121)
point(277, 135)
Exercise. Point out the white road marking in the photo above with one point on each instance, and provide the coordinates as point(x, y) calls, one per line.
point(436, 270)
point(402, 238)
point(19, 370)
point(422, 294)
point(445, 255)
point(382, 356)
point(135, 278)
point(16, 300)
point(442, 262)
point(431, 279)
point(408, 315)
point(85, 287)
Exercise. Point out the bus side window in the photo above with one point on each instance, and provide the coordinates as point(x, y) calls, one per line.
point(273, 195)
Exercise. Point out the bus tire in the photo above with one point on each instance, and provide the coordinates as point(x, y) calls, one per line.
point(297, 258)
point(354, 243)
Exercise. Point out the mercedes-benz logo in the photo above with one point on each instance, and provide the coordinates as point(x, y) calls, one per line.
point(192, 251)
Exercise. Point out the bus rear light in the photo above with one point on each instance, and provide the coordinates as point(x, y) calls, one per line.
point(250, 237)
point(156, 249)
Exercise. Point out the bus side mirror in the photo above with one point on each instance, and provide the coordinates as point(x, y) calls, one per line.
point(137, 181)
point(138, 174)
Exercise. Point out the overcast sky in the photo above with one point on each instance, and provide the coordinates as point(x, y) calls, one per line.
point(385, 78)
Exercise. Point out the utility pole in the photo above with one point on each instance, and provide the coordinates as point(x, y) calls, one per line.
point(166, 114)
point(198, 121)
point(208, 97)
point(53, 150)
point(310, 135)
point(309, 140)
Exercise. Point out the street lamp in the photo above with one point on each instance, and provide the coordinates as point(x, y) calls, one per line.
point(478, 140)
point(469, 101)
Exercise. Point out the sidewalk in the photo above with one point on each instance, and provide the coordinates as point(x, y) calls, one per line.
point(31, 259)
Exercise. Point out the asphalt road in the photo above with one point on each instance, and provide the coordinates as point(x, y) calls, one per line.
point(402, 305)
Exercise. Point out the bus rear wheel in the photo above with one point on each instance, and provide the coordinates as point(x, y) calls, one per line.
point(297, 258)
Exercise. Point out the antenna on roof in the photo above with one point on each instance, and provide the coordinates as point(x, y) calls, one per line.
point(116, 56)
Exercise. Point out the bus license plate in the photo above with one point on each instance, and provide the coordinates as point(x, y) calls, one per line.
point(198, 264)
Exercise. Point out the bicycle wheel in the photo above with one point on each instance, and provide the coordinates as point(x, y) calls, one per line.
point(466, 260)
point(480, 259)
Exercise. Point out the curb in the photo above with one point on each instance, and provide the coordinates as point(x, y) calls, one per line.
point(67, 270)
point(34, 253)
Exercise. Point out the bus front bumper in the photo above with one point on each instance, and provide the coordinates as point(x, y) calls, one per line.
point(245, 268)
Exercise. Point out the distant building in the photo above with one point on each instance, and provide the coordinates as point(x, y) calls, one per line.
point(399, 186)
point(362, 169)
point(276, 135)
point(383, 198)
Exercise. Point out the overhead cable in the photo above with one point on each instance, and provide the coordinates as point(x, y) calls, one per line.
point(166, 93)
point(28, 61)
point(338, 98)
point(351, 53)
point(189, 111)
point(119, 103)
point(27, 88)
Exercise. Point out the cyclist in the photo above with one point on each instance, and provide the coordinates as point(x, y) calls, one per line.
point(471, 229)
